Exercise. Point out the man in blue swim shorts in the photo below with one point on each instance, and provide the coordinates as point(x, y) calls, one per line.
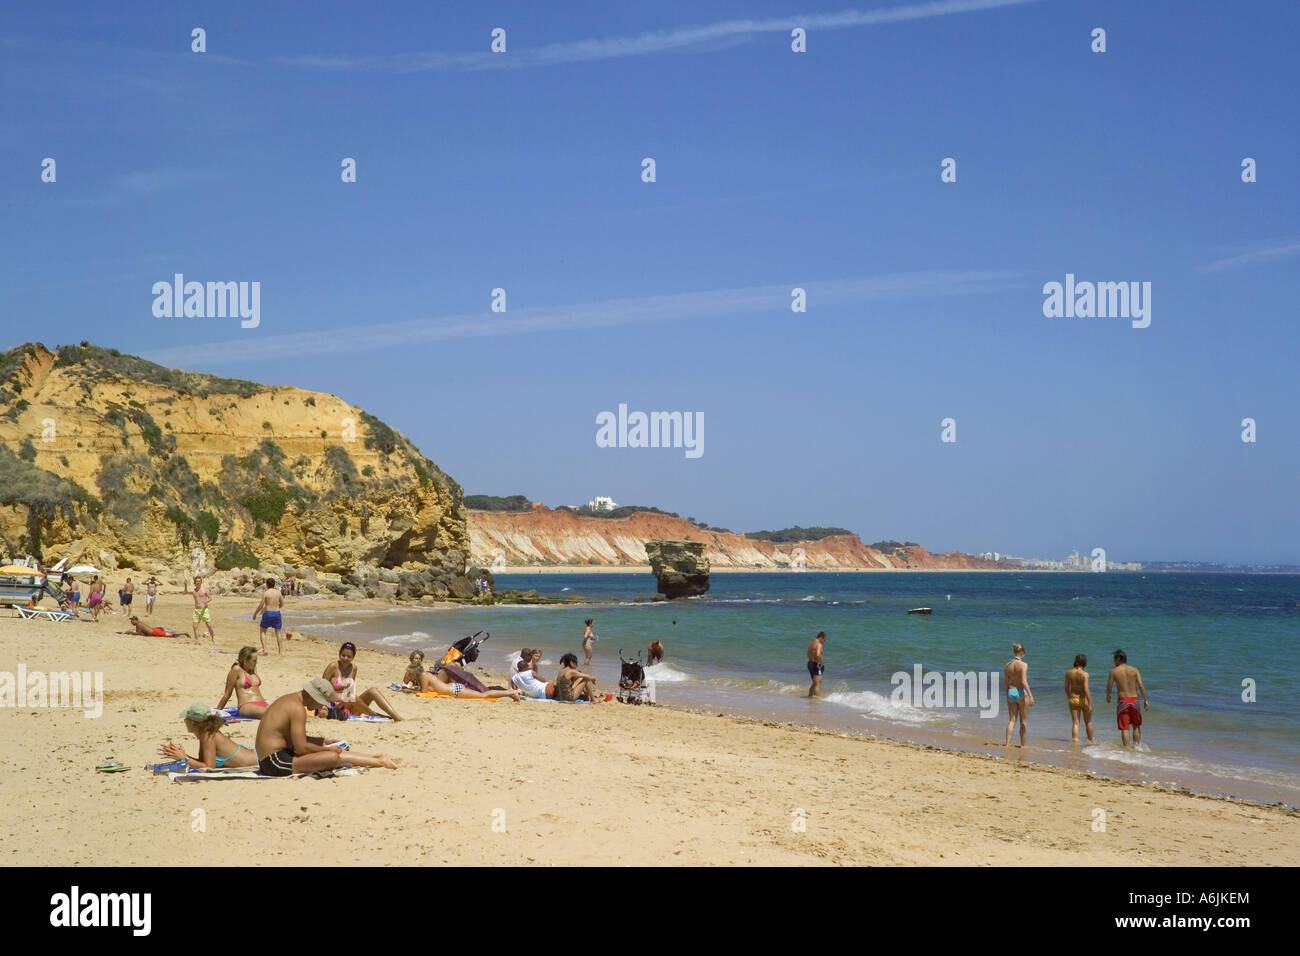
point(816, 666)
point(272, 600)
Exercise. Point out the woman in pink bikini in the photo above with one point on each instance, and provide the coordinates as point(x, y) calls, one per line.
point(342, 673)
point(243, 681)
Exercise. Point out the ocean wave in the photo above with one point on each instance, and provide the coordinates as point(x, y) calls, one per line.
point(871, 704)
point(762, 684)
point(404, 639)
point(663, 674)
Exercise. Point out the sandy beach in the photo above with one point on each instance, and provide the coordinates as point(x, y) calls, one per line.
point(611, 784)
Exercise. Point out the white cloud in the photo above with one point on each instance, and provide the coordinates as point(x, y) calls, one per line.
point(712, 36)
point(714, 304)
point(1271, 253)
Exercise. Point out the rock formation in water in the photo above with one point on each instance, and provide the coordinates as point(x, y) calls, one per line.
point(680, 567)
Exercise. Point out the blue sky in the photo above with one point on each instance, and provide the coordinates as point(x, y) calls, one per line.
point(821, 170)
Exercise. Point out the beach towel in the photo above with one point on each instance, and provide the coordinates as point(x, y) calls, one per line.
point(434, 693)
point(552, 700)
point(249, 773)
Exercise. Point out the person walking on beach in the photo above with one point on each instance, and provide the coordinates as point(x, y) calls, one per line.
point(96, 599)
point(1128, 683)
point(1019, 699)
point(202, 613)
point(150, 595)
point(269, 608)
point(654, 653)
point(126, 595)
point(1079, 697)
point(588, 636)
point(816, 664)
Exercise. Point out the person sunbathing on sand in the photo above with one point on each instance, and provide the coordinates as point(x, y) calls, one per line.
point(573, 684)
point(526, 680)
point(342, 674)
point(412, 675)
point(139, 627)
point(283, 747)
point(215, 748)
point(243, 681)
point(428, 682)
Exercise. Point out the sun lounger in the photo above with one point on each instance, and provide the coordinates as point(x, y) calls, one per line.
point(43, 614)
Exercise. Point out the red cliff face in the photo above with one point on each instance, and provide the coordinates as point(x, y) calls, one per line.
point(543, 536)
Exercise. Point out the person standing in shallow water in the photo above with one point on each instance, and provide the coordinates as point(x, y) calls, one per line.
point(1019, 699)
point(1079, 697)
point(1126, 680)
point(816, 663)
point(588, 636)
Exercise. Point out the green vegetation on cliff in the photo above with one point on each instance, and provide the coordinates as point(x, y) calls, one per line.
point(100, 363)
point(495, 503)
point(791, 535)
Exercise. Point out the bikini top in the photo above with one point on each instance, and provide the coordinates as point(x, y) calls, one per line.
point(248, 681)
point(346, 686)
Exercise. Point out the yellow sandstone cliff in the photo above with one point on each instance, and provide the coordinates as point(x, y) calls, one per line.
point(109, 458)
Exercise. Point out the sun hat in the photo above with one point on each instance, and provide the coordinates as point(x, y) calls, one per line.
point(319, 690)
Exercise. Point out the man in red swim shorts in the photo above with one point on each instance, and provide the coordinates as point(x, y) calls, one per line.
point(1128, 682)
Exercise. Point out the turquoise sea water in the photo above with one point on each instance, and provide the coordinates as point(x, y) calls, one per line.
point(740, 649)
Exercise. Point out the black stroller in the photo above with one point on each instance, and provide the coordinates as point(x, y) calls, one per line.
point(632, 685)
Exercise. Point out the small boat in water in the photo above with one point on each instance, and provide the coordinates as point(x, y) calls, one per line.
point(921, 610)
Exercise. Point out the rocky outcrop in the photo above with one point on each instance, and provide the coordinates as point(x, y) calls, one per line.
point(680, 567)
point(544, 536)
point(104, 454)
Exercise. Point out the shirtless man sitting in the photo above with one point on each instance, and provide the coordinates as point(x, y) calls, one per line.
point(1128, 682)
point(282, 744)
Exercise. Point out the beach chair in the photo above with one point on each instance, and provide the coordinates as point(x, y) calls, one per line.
point(43, 614)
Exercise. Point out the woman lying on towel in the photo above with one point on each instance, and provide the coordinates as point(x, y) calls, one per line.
point(139, 628)
point(412, 675)
point(342, 674)
point(215, 748)
point(427, 682)
point(243, 681)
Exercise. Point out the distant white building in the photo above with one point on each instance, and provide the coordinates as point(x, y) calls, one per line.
point(601, 503)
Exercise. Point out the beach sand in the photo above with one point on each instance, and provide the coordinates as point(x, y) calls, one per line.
point(610, 784)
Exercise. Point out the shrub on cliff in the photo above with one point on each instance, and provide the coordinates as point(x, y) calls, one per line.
point(232, 555)
point(790, 535)
point(496, 503)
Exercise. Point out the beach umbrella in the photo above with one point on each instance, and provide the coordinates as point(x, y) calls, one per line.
point(84, 569)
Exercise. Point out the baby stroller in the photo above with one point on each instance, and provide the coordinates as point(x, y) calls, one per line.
point(464, 651)
point(632, 687)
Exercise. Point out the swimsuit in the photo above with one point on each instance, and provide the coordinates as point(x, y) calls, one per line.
point(815, 669)
point(278, 764)
point(1128, 713)
point(1076, 700)
point(271, 621)
point(202, 614)
point(221, 761)
point(125, 598)
point(96, 598)
point(248, 681)
point(158, 632)
point(1015, 693)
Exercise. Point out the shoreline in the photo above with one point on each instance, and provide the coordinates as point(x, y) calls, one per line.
point(723, 790)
